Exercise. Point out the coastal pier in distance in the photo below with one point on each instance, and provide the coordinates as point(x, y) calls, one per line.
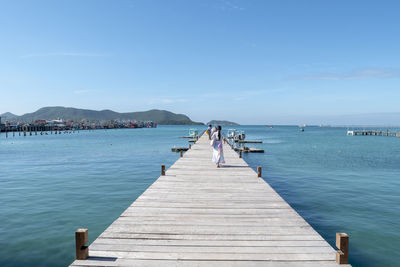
point(195, 214)
point(373, 132)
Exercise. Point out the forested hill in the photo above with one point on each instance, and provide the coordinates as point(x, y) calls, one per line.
point(222, 122)
point(75, 114)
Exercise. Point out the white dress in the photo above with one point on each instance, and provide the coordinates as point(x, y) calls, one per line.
point(218, 151)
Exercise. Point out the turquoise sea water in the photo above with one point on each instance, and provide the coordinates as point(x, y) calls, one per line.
point(51, 185)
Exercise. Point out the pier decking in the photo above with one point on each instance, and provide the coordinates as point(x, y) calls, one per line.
point(200, 215)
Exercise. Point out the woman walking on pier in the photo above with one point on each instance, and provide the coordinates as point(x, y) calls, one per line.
point(218, 151)
point(209, 131)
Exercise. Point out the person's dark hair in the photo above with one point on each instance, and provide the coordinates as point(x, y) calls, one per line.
point(219, 132)
point(209, 125)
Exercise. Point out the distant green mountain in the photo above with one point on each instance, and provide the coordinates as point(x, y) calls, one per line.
point(221, 122)
point(75, 114)
point(8, 116)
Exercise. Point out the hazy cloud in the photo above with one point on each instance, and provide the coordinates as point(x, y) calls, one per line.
point(81, 92)
point(223, 5)
point(367, 73)
point(230, 5)
point(65, 54)
point(167, 100)
point(241, 93)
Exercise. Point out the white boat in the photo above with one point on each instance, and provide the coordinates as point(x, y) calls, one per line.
point(302, 126)
point(235, 135)
point(193, 132)
point(231, 133)
point(240, 136)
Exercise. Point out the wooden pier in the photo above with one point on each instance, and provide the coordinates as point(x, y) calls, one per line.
point(179, 149)
point(374, 133)
point(200, 215)
point(249, 141)
point(249, 150)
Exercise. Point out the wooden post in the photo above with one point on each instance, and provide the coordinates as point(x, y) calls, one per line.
point(162, 169)
point(240, 154)
point(190, 146)
point(81, 238)
point(342, 243)
point(259, 171)
point(181, 152)
point(6, 134)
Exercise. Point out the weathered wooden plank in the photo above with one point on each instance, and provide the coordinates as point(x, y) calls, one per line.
point(221, 237)
point(190, 263)
point(227, 211)
point(191, 198)
point(216, 256)
point(163, 229)
point(210, 205)
point(214, 243)
point(212, 221)
point(210, 249)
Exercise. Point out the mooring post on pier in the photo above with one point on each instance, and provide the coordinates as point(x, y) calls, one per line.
point(259, 171)
point(81, 239)
point(162, 169)
point(190, 146)
point(181, 153)
point(342, 243)
point(240, 154)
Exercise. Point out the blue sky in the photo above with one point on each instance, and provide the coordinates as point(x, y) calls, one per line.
point(247, 61)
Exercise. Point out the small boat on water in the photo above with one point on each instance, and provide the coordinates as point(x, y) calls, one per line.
point(193, 132)
point(231, 133)
point(302, 126)
point(241, 136)
point(236, 135)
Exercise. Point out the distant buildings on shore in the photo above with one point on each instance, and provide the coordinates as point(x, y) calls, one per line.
point(2, 126)
point(59, 124)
